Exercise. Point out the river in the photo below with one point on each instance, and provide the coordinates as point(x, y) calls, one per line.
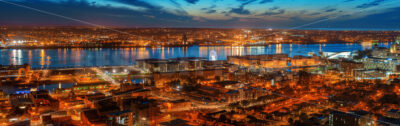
point(81, 57)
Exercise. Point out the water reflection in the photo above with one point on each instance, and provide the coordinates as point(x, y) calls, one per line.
point(16, 57)
point(367, 45)
point(42, 55)
point(213, 55)
point(78, 57)
point(278, 48)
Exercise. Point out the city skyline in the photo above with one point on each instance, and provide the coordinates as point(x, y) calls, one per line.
point(337, 14)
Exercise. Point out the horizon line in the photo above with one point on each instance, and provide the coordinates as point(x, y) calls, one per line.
point(205, 27)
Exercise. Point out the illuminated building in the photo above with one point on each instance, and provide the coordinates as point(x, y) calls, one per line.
point(395, 48)
point(2, 44)
point(144, 109)
point(278, 61)
point(370, 74)
point(40, 97)
point(255, 60)
point(393, 113)
point(349, 67)
point(92, 117)
point(355, 118)
point(171, 65)
point(88, 87)
point(161, 79)
point(302, 61)
point(177, 104)
point(124, 118)
point(391, 65)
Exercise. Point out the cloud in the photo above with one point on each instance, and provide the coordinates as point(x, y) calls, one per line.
point(330, 10)
point(387, 20)
point(209, 8)
point(175, 3)
point(315, 13)
point(96, 14)
point(171, 13)
point(266, 1)
point(370, 4)
point(192, 1)
point(270, 13)
point(246, 2)
point(240, 11)
point(137, 3)
point(211, 11)
point(274, 8)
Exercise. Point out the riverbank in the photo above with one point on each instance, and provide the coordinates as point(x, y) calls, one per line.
point(158, 46)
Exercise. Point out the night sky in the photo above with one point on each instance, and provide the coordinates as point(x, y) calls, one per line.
point(354, 14)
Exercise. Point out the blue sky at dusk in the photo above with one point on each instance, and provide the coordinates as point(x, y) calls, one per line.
point(373, 14)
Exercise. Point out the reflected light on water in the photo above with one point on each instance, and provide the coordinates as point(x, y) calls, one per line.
point(278, 48)
point(162, 53)
point(16, 57)
point(366, 45)
point(65, 56)
point(42, 57)
point(142, 53)
point(213, 55)
point(30, 56)
point(237, 50)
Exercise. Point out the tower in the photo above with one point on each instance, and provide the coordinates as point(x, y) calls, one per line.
point(395, 48)
point(184, 39)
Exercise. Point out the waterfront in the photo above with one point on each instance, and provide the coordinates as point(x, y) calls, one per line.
point(83, 57)
point(12, 89)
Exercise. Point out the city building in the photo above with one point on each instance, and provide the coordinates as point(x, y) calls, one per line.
point(171, 65)
point(356, 118)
